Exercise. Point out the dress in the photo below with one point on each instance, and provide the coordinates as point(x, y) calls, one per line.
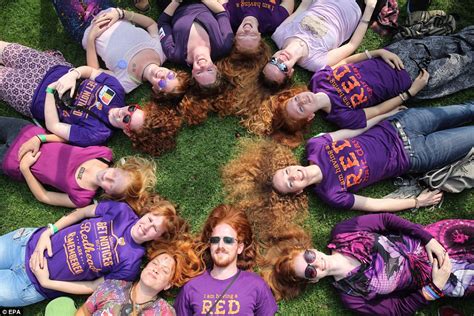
point(56, 166)
point(248, 295)
point(110, 297)
point(174, 31)
point(269, 13)
point(394, 265)
point(324, 26)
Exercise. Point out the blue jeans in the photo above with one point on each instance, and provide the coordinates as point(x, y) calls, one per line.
point(77, 15)
point(436, 140)
point(16, 288)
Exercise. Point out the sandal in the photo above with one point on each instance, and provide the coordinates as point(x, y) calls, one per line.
point(142, 5)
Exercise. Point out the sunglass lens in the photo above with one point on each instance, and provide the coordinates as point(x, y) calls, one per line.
point(162, 83)
point(132, 108)
point(214, 240)
point(228, 240)
point(171, 75)
point(309, 256)
point(126, 119)
point(310, 272)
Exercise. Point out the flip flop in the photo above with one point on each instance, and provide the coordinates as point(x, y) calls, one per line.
point(141, 8)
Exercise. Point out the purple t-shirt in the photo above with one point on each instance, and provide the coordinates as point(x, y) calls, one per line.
point(353, 87)
point(97, 246)
point(98, 96)
point(249, 295)
point(352, 164)
point(174, 31)
point(269, 13)
point(57, 164)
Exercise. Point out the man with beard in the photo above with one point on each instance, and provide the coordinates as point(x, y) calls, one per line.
point(226, 288)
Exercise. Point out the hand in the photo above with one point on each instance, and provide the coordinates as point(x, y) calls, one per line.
point(31, 145)
point(440, 275)
point(28, 160)
point(111, 17)
point(44, 243)
point(396, 110)
point(98, 27)
point(65, 83)
point(390, 58)
point(420, 82)
point(41, 273)
point(433, 247)
point(428, 198)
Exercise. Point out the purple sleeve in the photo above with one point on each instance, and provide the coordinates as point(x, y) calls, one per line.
point(226, 30)
point(266, 304)
point(166, 37)
point(84, 136)
point(395, 304)
point(182, 305)
point(382, 223)
point(349, 118)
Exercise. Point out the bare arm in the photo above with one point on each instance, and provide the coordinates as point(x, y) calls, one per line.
point(82, 311)
point(336, 55)
point(213, 5)
point(301, 8)
point(142, 20)
point(33, 144)
point(72, 287)
point(171, 8)
point(289, 5)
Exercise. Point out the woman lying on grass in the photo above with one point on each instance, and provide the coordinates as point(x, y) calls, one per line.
point(75, 255)
point(28, 153)
point(365, 85)
point(381, 264)
point(411, 141)
point(132, 53)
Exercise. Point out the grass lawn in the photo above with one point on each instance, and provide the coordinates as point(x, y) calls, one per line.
point(190, 175)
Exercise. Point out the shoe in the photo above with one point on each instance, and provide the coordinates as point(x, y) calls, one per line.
point(417, 5)
point(449, 311)
point(142, 5)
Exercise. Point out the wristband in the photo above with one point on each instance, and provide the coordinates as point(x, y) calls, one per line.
point(409, 94)
point(364, 21)
point(53, 228)
point(402, 97)
point(50, 90)
point(417, 203)
point(42, 138)
point(367, 53)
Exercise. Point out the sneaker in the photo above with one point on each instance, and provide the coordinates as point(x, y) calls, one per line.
point(417, 5)
point(449, 311)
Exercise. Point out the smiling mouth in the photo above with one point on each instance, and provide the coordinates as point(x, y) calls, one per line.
point(302, 174)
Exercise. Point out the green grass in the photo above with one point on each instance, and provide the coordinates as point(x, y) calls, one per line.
point(190, 175)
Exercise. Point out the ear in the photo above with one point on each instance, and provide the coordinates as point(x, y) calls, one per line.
point(290, 74)
point(299, 192)
point(126, 132)
point(311, 117)
point(167, 287)
point(240, 248)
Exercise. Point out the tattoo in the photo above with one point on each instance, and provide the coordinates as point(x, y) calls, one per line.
point(81, 172)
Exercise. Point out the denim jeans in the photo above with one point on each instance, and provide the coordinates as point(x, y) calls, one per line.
point(436, 140)
point(16, 288)
point(9, 129)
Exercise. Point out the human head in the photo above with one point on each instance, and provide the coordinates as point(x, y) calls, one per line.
point(279, 69)
point(178, 91)
point(127, 118)
point(247, 36)
point(247, 181)
point(141, 177)
point(162, 79)
point(186, 255)
point(302, 106)
point(204, 72)
point(159, 272)
point(293, 179)
point(226, 220)
point(159, 130)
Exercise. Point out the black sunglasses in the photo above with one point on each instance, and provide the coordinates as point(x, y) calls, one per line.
point(310, 272)
point(226, 239)
point(425, 61)
point(127, 118)
point(283, 68)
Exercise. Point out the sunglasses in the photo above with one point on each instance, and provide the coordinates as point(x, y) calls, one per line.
point(424, 62)
point(310, 272)
point(162, 83)
point(283, 68)
point(127, 119)
point(226, 239)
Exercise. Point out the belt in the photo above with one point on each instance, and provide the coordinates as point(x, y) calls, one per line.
point(403, 136)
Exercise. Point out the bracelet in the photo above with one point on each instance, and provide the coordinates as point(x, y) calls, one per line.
point(42, 138)
point(50, 90)
point(409, 94)
point(364, 21)
point(118, 12)
point(435, 289)
point(402, 97)
point(77, 71)
point(429, 294)
point(121, 16)
point(367, 53)
point(53, 228)
point(417, 203)
point(131, 16)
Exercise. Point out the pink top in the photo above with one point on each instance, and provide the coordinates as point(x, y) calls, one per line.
point(57, 164)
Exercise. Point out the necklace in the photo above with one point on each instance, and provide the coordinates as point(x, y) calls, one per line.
point(136, 307)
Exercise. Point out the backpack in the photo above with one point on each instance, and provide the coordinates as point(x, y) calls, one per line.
point(426, 23)
point(387, 19)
